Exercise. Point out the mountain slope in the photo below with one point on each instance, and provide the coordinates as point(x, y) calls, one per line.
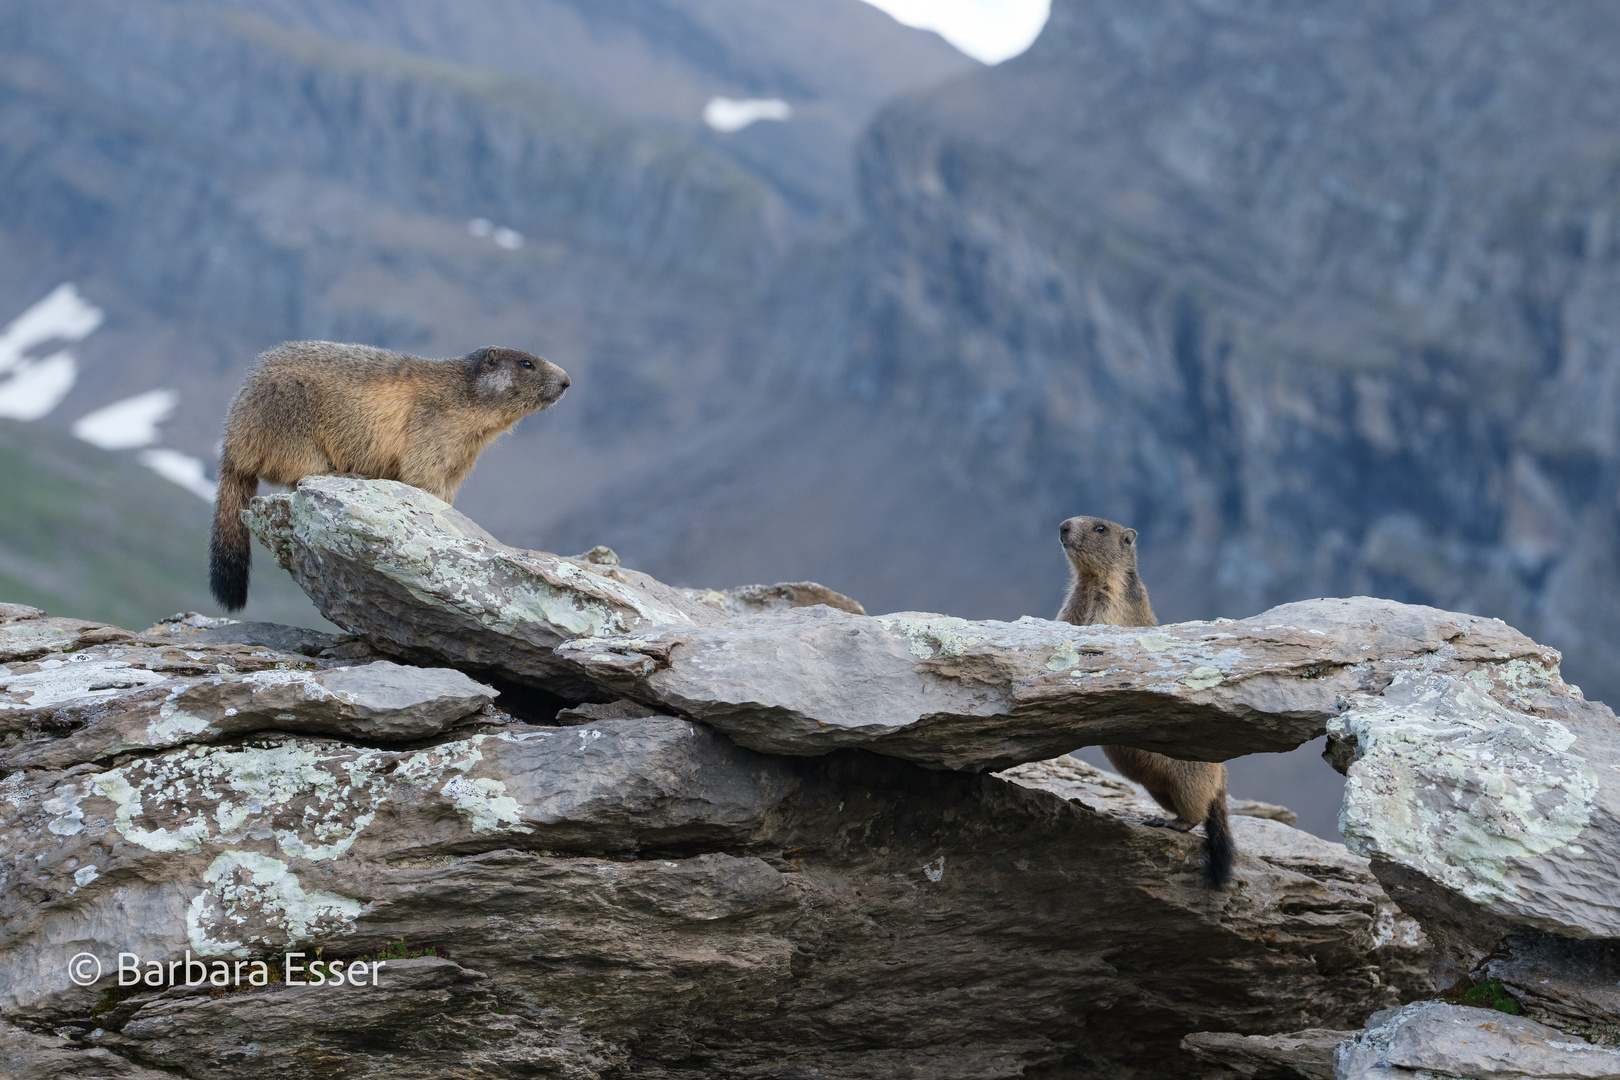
point(94, 535)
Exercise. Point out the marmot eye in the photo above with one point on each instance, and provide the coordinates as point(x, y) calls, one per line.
point(526, 363)
point(1099, 528)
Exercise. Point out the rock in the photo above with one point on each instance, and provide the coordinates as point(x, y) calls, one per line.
point(754, 599)
point(1572, 985)
point(643, 895)
point(420, 581)
point(30, 637)
point(191, 629)
point(96, 702)
point(27, 1056)
point(1309, 1054)
point(417, 579)
point(1256, 808)
point(1430, 1038)
point(950, 693)
point(1486, 795)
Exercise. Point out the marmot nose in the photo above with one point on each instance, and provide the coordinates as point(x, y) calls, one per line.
point(566, 381)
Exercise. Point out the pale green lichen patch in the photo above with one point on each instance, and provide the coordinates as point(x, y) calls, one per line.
point(1064, 658)
point(485, 805)
point(1202, 678)
point(296, 792)
point(1459, 787)
point(256, 899)
point(930, 637)
point(77, 677)
point(174, 724)
point(313, 799)
point(1156, 641)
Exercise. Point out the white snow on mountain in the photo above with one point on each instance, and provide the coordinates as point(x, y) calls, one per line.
point(37, 386)
point(987, 30)
point(182, 469)
point(727, 115)
point(63, 314)
point(127, 424)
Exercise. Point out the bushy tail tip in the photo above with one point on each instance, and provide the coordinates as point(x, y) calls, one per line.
point(230, 548)
point(1221, 852)
point(228, 571)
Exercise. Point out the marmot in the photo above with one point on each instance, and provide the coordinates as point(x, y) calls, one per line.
point(312, 407)
point(1107, 590)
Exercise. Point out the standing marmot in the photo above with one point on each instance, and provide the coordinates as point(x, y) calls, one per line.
point(313, 407)
point(1107, 590)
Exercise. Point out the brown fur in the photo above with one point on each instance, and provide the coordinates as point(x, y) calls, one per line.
point(312, 407)
point(1106, 590)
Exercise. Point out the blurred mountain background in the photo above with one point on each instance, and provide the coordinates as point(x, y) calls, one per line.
point(1324, 299)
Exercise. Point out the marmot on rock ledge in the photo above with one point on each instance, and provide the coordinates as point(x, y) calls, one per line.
point(1107, 590)
point(311, 407)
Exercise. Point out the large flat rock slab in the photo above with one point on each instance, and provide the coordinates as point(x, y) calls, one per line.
point(800, 670)
point(421, 581)
point(86, 704)
point(641, 895)
point(955, 694)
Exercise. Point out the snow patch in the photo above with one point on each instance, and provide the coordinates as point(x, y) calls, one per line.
point(727, 115)
point(127, 424)
point(987, 30)
point(63, 314)
point(38, 386)
point(182, 469)
point(483, 228)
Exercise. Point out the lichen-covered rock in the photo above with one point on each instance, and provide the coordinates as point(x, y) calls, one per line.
point(637, 893)
point(1487, 795)
point(795, 669)
point(27, 633)
point(1432, 1039)
point(419, 580)
point(96, 702)
point(950, 693)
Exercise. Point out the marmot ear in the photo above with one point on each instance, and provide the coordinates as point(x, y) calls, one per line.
point(493, 355)
point(1130, 537)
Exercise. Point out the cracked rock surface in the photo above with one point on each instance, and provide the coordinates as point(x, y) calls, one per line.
point(1430, 1038)
point(1487, 794)
point(420, 580)
point(637, 895)
point(167, 688)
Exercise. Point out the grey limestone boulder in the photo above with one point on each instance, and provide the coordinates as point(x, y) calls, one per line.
point(1487, 795)
point(1432, 1039)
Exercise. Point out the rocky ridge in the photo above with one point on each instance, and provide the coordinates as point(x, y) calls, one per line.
point(704, 865)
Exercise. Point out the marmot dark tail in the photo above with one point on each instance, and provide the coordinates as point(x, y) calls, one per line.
point(230, 551)
point(1218, 834)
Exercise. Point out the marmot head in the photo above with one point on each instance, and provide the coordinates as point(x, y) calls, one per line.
point(1103, 547)
point(522, 382)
